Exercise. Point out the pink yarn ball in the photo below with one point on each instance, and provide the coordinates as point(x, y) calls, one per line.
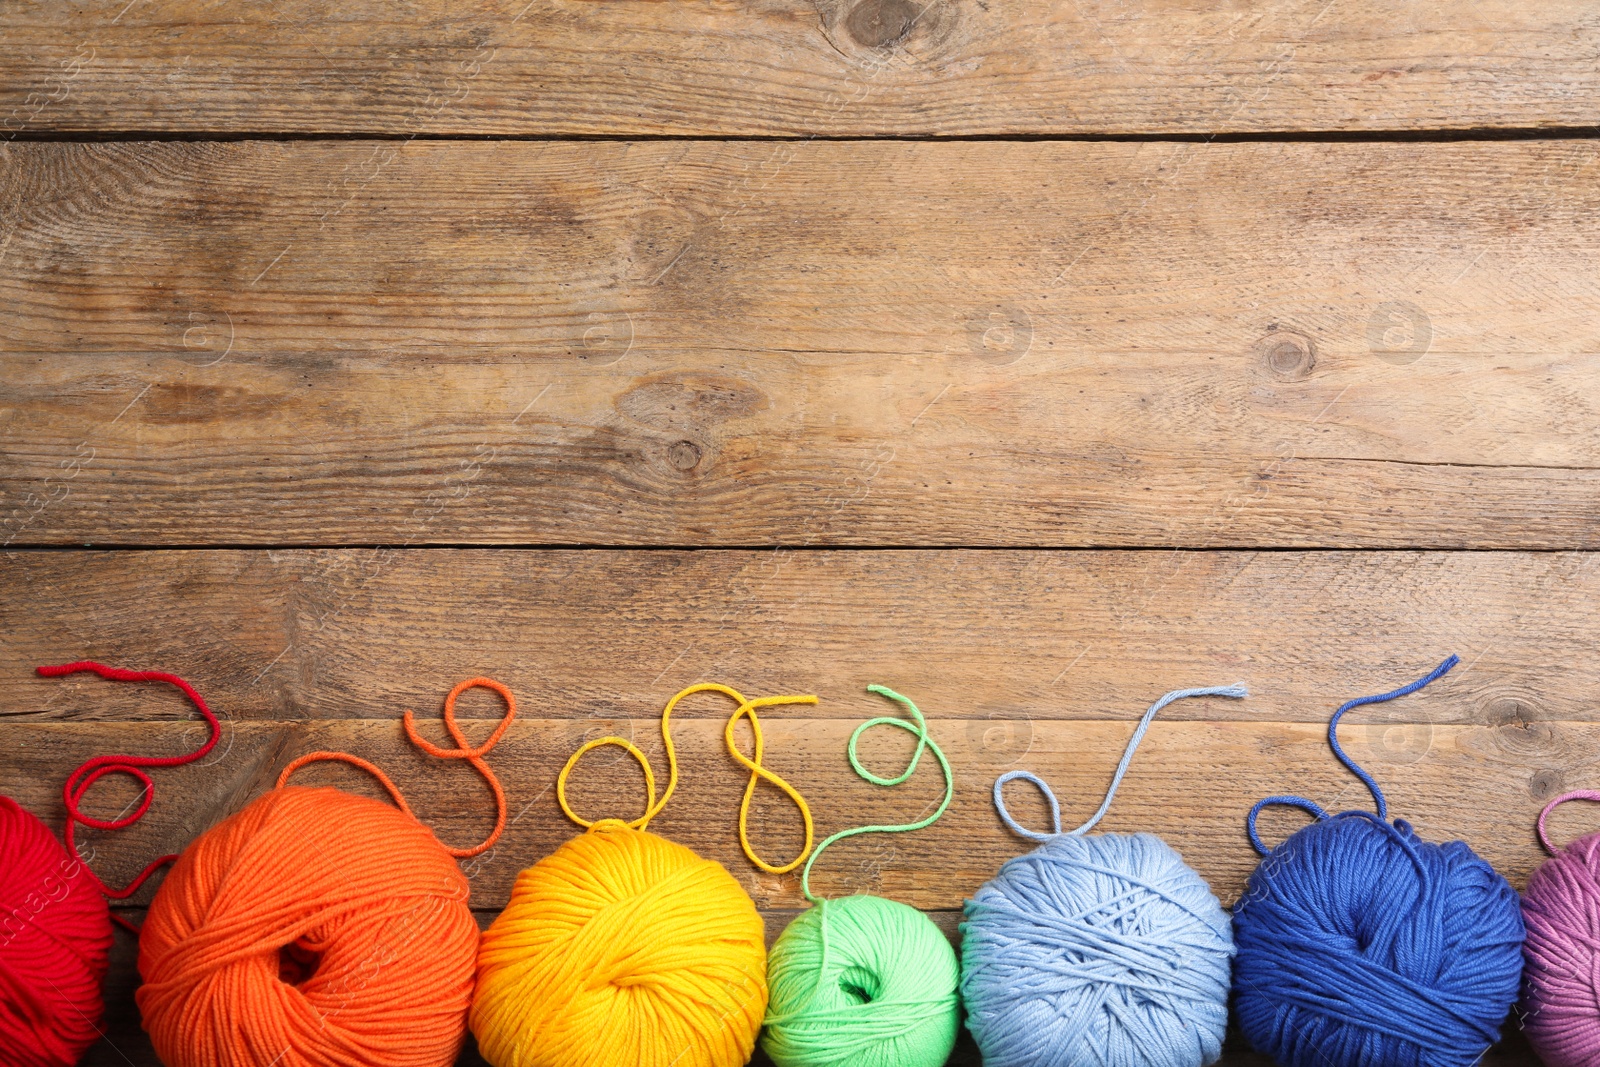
point(1561, 973)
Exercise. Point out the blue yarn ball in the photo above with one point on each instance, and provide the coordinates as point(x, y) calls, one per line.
point(1103, 950)
point(1361, 945)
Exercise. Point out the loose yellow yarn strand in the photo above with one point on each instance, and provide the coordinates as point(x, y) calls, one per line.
point(623, 947)
point(757, 772)
point(747, 709)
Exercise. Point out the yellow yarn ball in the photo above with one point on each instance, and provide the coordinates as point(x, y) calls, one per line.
point(622, 949)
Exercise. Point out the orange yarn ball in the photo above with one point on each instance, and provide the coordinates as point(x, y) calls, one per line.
point(312, 929)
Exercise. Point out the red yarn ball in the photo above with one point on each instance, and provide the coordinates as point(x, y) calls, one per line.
point(55, 945)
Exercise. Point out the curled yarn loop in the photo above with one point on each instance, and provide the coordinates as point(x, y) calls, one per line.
point(1576, 794)
point(918, 728)
point(1311, 807)
point(315, 928)
point(622, 947)
point(758, 772)
point(1360, 943)
point(55, 941)
point(1235, 691)
point(92, 770)
point(1097, 949)
point(1561, 976)
point(463, 750)
point(866, 981)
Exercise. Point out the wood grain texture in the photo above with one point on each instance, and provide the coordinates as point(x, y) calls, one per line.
point(829, 343)
point(791, 67)
point(1008, 638)
point(1141, 376)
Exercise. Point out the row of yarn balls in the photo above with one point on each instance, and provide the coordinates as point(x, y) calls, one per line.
point(315, 928)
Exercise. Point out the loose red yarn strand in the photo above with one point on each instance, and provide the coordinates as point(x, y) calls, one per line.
point(92, 770)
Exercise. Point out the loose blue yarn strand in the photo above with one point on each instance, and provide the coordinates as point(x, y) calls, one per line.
point(1236, 690)
point(1359, 944)
point(1312, 807)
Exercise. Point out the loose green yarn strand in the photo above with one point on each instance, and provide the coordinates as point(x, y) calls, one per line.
point(862, 981)
point(924, 743)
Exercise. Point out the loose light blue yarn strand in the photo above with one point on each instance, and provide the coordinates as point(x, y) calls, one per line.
point(1097, 950)
point(1362, 945)
point(1237, 691)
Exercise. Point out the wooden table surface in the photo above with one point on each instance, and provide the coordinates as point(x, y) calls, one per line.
point(1031, 359)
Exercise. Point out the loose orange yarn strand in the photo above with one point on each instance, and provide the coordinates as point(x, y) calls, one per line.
point(463, 750)
point(757, 771)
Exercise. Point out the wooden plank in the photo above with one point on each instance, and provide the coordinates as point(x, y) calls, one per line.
point(791, 67)
point(1192, 783)
point(1006, 637)
point(662, 343)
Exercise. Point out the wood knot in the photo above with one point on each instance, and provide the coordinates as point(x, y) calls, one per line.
point(684, 455)
point(1287, 355)
point(1517, 725)
point(684, 405)
point(1510, 711)
point(881, 23)
point(1545, 784)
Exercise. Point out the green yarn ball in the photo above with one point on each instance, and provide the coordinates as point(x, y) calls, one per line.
point(861, 982)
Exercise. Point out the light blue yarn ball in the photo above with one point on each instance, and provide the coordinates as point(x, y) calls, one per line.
point(1103, 950)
